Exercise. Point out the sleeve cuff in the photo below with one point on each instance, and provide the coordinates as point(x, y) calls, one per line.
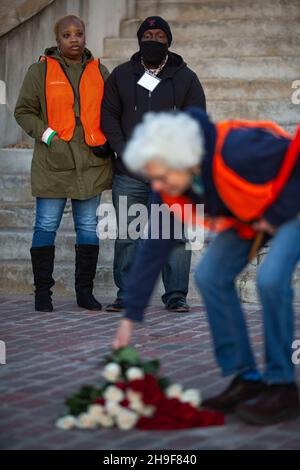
point(273, 218)
point(135, 315)
point(48, 136)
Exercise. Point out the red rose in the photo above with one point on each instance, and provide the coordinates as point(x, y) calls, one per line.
point(172, 414)
point(99, 401)
point(149, 388)
point(125, 403)
point(121, 385)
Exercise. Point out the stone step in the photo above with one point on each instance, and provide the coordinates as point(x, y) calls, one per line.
point(16, 276)
point(18, 160)
point(240, 68)
point(15, 244)
point(20, 215)
point(17, 215)
point(216, 29)
point(284, 113)
point(247, 90)
point(15, 187)
point(206, 10)
point(258, 46)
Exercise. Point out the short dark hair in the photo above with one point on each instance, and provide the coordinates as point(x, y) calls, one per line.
point(64, 18)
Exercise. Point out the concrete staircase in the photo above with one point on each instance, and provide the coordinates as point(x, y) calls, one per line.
point(16, 222)
point(246, 54)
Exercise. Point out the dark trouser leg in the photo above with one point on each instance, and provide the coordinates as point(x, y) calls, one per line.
point(136, 192)
point(176, 272)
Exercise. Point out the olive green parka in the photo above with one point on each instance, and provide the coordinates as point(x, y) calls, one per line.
point(64, 169)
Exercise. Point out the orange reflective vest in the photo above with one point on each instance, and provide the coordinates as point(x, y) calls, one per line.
point(60, 99)
point(247, 201)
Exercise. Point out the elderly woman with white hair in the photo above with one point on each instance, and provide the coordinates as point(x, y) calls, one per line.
point(247, 174)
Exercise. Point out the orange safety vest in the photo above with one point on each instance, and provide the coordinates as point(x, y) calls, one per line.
point(60, 99)
point(247, 201)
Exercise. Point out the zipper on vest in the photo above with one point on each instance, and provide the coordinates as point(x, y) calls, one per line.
point(80, 77)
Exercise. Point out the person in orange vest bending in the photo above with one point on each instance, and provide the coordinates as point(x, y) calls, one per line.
point(247, 174)
point(59, 105)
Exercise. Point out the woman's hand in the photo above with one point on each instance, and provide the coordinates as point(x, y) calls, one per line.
point(55, 137)
point(263, 225)
point(123, 335)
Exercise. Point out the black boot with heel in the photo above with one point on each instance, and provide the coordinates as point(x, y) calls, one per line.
point(85, 271)
point(42, 259)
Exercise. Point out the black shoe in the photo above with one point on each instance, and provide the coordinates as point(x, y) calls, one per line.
point(42, 259)
point(277, 403)
point(85, 271)
point(116, 306)
point(238, 391)
point(177, 305)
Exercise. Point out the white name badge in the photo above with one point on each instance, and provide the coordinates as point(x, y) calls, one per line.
point(148, 81)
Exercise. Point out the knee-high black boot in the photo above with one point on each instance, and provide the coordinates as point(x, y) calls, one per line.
point(42, 259)
point(85, 271)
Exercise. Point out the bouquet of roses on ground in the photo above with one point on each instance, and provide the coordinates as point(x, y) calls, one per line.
point(133, 395)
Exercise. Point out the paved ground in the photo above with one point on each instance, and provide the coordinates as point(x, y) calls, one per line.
point(51, 355)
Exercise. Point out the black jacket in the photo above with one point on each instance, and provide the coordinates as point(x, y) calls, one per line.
point(125, 102)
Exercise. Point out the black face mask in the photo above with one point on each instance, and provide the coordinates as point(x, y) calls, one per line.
point(153, 52)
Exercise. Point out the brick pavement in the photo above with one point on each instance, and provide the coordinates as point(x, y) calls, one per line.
point(50, 355)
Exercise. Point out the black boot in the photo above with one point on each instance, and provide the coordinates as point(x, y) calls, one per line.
point(85, 271)
point(42, 259)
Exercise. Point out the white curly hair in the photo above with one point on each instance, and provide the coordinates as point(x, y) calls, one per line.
point(175, 139)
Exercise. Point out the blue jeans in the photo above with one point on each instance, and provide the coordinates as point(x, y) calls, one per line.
point(215, 278)
point(175, 274)
point(49, 212)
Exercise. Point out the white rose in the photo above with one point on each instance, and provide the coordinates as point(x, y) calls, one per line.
point(113, 408)
point(134, 373)
point(137, 406)
point(112, 372)
point(133, 396)
point(191, 396)
point(96, 411)
point(174, 391)
point(66, 422)
point(113, 393)
point(106, 421)
point(126, 419)
point(148, 411)
point(85, 421)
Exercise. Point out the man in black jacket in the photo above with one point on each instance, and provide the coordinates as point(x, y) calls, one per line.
point(169, 84)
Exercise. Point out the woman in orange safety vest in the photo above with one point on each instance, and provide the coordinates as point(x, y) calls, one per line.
point(59, 106)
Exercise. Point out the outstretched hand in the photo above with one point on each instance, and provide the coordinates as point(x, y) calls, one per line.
point(123, 335)
point(263, 225)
